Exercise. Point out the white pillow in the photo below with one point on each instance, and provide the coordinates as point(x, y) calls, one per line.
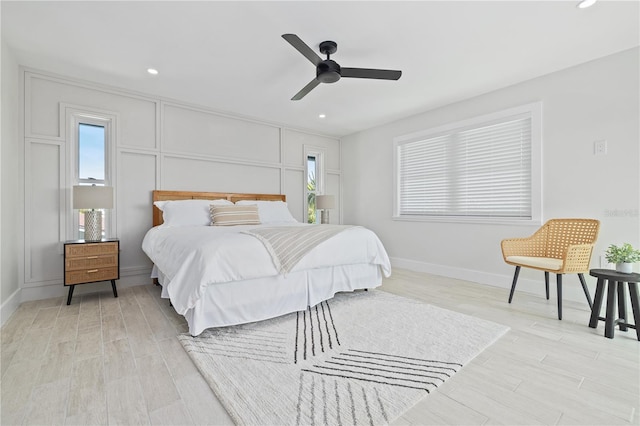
point(188, 212)
point(271, 211)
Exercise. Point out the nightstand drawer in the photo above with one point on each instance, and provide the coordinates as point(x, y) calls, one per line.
point(90, 262)
point(91, 275)
point(90, 249)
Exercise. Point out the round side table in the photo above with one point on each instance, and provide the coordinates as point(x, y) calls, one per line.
point(614, 281)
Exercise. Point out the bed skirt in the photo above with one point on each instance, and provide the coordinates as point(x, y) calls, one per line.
point(245, 301)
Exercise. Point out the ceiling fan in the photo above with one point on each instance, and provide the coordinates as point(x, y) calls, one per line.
point(328, 71)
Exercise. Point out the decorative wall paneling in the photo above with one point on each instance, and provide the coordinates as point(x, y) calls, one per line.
point(45, 200)
point(137, 171)
point(160, 144)
point(197, 131)
point(220, 175)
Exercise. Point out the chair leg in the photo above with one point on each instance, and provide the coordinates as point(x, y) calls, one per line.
point(546, 283)
point(586, 290)
point(559, 281)
point(513, 285)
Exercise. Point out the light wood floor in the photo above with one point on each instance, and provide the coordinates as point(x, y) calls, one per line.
point(104, 360)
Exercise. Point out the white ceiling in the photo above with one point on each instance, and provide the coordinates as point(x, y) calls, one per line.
point(230, 56)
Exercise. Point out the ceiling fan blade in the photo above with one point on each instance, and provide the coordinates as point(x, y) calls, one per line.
point(371, 73)
point(306, 89)
point(301, 47)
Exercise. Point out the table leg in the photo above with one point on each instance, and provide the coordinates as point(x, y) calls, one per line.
point(585, 289)
point(635, 306)
point(113, 286)
point(610, 320)
point(71, 287)
point(622, 306)
point(597, 303)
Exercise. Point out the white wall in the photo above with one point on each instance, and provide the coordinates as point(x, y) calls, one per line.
point(160, 144)
point(595, 101)
point(10, 197)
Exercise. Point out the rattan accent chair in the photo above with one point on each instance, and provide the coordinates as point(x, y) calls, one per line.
point(560, 246)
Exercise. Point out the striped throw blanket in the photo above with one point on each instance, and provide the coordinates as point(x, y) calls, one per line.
point(287, 245)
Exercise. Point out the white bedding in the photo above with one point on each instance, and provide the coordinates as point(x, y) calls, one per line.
point(194, 258)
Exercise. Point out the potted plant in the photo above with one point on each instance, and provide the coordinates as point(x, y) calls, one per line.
point(623, 256)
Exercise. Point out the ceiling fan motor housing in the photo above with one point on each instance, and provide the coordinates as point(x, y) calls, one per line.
point(328, 71)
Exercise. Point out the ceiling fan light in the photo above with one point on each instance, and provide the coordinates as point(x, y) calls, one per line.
point(328, 71)
point(329, 77)
point(583, 4)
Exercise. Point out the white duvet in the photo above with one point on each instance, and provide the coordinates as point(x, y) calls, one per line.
point(194, 257)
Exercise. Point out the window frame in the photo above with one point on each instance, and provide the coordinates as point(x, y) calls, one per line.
point(534, 111)
point(75, 117)
point(318, 153)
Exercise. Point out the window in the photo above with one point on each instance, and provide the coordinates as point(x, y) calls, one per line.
point(483, 169)
point(91, 154)
point(91, 163)
point(314, 185)
point(311, 189)
point(91, 142)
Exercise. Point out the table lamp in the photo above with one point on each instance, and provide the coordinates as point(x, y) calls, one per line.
point(325, 203)
point(91, 199)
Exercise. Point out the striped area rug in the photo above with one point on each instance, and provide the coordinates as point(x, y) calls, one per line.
point(359, 358)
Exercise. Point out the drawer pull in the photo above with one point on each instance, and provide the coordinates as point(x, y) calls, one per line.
point(92, 257)
point(91, 271)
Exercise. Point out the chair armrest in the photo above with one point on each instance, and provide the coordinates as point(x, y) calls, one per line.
point(529, 246)
point(577, 259)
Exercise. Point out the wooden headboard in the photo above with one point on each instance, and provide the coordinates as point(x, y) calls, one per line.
point(160, 195)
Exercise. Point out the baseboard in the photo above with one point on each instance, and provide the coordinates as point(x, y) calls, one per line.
point(135, 271)
point(140, 276)
point(9, 306)
point(529, 285)
point(59, 290)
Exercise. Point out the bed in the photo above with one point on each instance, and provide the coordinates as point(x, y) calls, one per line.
point(218, 276)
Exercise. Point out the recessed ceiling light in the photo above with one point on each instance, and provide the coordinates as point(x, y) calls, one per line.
point(586, 3)
point(322, 116)
point(152, 71)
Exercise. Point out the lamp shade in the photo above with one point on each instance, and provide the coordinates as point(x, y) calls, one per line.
point(92, 197)
point(325, 202)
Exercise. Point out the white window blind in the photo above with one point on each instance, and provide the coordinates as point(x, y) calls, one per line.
point(479, 171)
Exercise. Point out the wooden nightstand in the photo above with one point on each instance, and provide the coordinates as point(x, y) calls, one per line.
point(90, 262)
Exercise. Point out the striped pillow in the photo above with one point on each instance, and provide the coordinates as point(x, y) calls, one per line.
point(234, 215)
